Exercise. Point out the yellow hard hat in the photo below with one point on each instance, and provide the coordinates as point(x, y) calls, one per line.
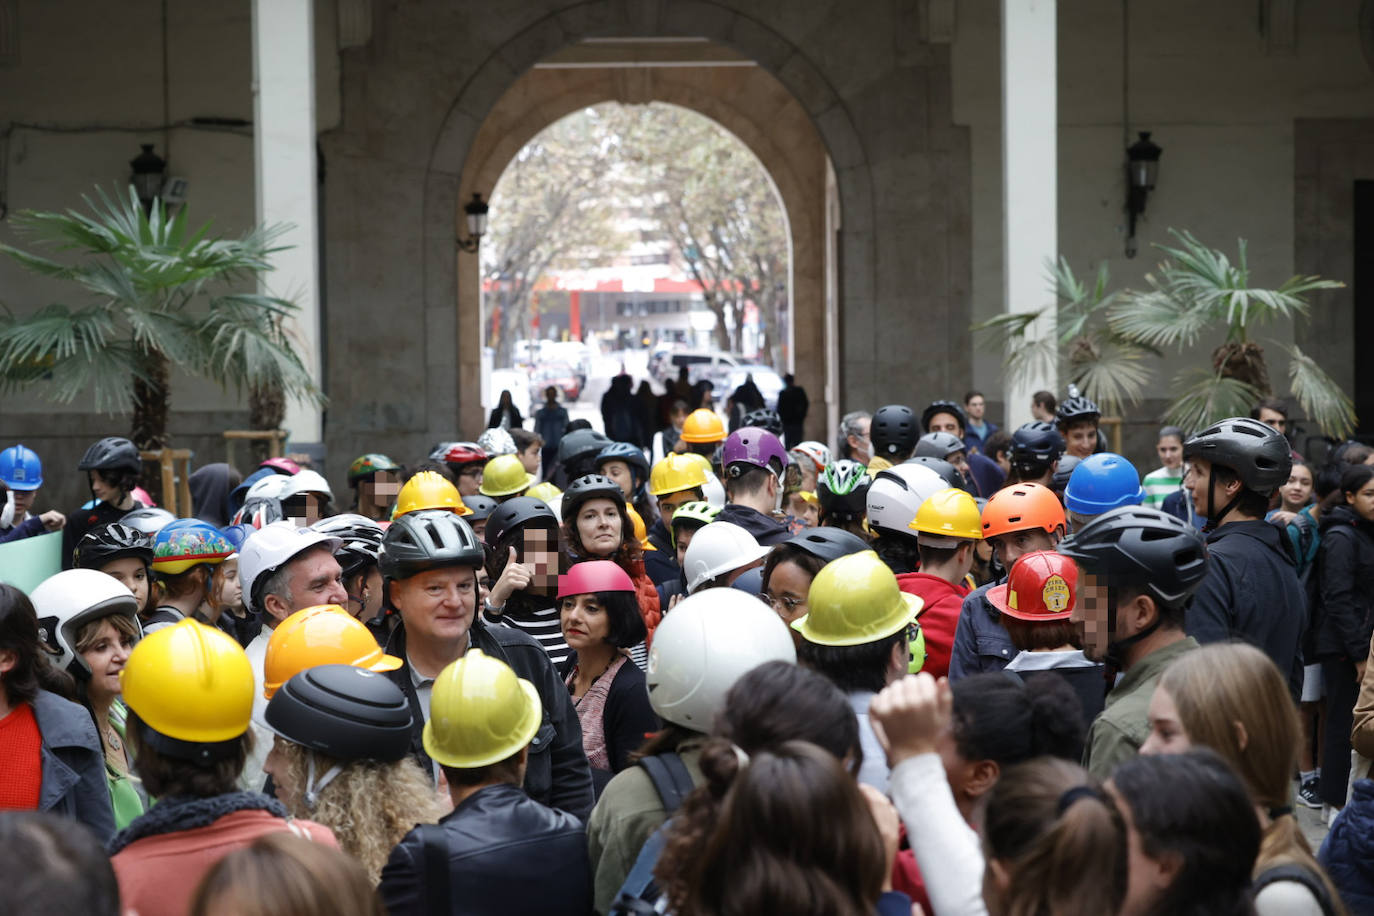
point(504, 475)
point(678, 472)
point(545, 491)
point(855, 600)
point(480, 713)
point(325, 634)
point(191, 683)
point(641, 530)
point(949, 513)
point(428, 490)
point(703, 425)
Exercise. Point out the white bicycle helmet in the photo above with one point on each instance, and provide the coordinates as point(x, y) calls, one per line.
point(706, 644)
point(269, 487)
point(815, 452)
point(73, 598)
point(897, 492)
point(717, 549)
point(307, 481)
point(269, 548)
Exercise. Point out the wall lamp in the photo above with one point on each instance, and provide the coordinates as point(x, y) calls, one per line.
point(1142, 169)
point(476, 210)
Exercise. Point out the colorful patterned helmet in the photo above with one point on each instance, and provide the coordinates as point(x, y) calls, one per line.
point(368, 465)
point(188, 542)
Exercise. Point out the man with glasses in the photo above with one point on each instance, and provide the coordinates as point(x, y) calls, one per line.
point(854, 443)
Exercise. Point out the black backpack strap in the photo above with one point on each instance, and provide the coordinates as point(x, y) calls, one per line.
point(437, 893)
point(670, 778)
point(1301, 875)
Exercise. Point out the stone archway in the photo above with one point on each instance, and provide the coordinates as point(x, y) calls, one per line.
point(750, 103)
point(457, 166)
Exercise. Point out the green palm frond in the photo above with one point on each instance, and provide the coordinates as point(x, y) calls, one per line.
point(247, 345)
point(1208, 397)
point(1030, 359)
point(1006, 329)
point(1154, 318)
point(1110, 371)
point(1325, 402)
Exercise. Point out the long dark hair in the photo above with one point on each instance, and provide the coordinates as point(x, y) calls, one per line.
point(794, 836)
point(1194, 807)
point(33, 668)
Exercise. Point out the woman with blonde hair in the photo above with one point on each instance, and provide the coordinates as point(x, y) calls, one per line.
point(1232, 699)
point(281, 874)
point(342, 759)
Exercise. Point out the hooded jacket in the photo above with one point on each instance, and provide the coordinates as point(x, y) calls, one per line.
point(210, 494)
point(1251, 592)
point(661, 563)
point(939, 617)
point(765, 530)
point(1348, 852)
point(1345, 582)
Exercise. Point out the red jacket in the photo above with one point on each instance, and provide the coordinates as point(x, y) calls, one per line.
point(159, 874)
point(940, 617)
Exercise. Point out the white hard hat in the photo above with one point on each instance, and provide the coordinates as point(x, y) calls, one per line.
point(706, 644)
point(307, 481)
point(268, 487)
point(897, 492)
point(69, 600)
point(269, 548)
point(714, 491)
point(716, 549)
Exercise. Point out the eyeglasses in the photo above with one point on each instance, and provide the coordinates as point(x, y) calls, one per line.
point(782, 602)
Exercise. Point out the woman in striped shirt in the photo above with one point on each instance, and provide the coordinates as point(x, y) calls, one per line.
point(523, 563)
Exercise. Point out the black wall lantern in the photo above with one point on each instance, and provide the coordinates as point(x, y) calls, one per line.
point(1142, 168)
point(149, 172)
point(476, 210)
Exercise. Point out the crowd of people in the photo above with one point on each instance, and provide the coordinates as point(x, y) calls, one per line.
point(708, 668)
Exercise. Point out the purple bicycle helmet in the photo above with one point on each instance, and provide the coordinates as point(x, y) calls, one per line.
point(752, 445)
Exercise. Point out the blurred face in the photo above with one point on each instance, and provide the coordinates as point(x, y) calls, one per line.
point(1008, 548)
point(860, 445)
point(231, 592)
point(1170, 451)
point(22, 500)
point(540, 554)
point(1362, 500)
point(1092, 615)
point(585, 622)
point(786, 591)
point(1166, 730)
point(316, 578)
point(945, 423)
point(974, 407)
point(960, 462)
point(381, 490)
point(470, 480)
point(1273, 419)
point(1298, 490)
point(106, 658)
point(530, 457)
point(619, 471)
point(437, 605)
point(1080, 440)
point(598, 527)
point(133, 575)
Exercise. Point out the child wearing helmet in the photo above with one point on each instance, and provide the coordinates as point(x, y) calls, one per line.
point(843, 495)
point(38, 723)
point(601, 622)
point(673, 482)
point(522, 563)
point(189, 689)
point(1077, 419)
point(21, 474)
point(124, 553)
point(91, 622)
point(112, 468)
point(376, 481)
point(185, 554)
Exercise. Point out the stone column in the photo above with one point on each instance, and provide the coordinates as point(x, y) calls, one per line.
point(284, 168)
point(1030, 122)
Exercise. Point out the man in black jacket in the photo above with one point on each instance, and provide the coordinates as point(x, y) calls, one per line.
point(754, 462)
point(429, 562)
point(500, 851)
point(1251, 591)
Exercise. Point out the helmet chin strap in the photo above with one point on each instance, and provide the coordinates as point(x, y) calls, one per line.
point(1116, 649)
point(313, 788)
point(1213, 516)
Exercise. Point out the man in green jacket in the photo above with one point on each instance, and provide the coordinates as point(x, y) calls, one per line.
point(1137, 570)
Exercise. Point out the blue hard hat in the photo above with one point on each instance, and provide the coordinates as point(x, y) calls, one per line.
point(20, 468)
point(1101, 483)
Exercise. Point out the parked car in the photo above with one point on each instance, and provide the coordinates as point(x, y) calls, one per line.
point(560, 375)
point(708, 364)
point(768, 382)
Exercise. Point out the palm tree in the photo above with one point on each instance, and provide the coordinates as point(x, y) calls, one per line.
point(1106, 367)
point(1194, 290)
point(155, 295)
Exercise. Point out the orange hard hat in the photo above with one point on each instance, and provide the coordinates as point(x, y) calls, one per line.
point(1042, 587)
point(703, 425)
point(1021, 507)
point(325, 634)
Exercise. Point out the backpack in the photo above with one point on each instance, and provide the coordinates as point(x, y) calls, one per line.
point(1301, 875)
point(639, 895)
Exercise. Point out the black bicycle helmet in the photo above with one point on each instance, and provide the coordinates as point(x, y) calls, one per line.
point(937, 407)
point(1076, 409)
point(631, 454)
point(1034, 447)
point(481, 506)
point(764, 418)
point(893, 431)
point(939, 445)
point(1259, 454)
point(111, 542)
point(828, 543)
point(149, 520)
point(1060, 481)
point(947, 471)
point(361, 539)
point(517, 513)
point(843, 491)
point(113, 453)
point(343, 712)
point(428, 539)
point(590, 486)
point(1141, 548)
point(580, 445)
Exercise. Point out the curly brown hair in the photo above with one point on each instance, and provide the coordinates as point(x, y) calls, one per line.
point(370, 806)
